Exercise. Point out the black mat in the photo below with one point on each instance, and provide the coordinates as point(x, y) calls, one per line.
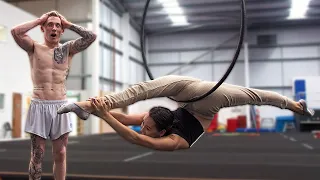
point(268, 156)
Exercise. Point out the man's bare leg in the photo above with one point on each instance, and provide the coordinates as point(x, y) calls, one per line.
point(59, 151)
point(37, 155)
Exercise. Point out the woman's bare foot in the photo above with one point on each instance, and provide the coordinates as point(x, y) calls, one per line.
point(304, 108)
point(298, 108)
point(301, 108)
point(81, 109)
point(85, 105)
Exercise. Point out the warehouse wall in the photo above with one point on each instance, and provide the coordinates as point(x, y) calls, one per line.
point(120, 59)
point(119, 38)
point(272, 67)
point(14, 69)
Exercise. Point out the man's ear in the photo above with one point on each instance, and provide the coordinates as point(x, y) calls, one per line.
point(41, 28)
point(162, 132)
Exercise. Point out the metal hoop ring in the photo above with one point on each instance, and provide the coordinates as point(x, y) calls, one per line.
point(235, 58)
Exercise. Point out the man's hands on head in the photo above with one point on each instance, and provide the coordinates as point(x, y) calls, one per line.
point(65, 23)
point(43, 18)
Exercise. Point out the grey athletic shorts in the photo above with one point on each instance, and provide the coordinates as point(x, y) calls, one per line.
point(43, 120)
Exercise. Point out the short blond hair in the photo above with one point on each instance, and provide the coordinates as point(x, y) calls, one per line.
point(53, 14)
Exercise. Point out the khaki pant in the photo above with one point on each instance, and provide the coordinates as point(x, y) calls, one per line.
point(186, 88)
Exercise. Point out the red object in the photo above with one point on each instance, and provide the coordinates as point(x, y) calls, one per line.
point(232, 124)
point(257, 119)
point(316, 134)
point(242, 122)
point(214, 123)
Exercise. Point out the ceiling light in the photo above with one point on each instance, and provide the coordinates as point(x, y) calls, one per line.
point(168, 3)
point(298, 9)
point(174, 11)
point(178, 20)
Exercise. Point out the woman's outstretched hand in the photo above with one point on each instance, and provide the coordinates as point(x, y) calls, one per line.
point(101, 107)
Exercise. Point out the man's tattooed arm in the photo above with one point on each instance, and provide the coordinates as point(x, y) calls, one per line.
point(80, 44)
point(20, 36)
point(19, 33)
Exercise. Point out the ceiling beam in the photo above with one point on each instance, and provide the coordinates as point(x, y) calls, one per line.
point(222, 5)
point(221, 13)
point(212, 17)
point(118, 5)
point(108, 4)
point(17, 1)
point(206, 27)
point(139, 4)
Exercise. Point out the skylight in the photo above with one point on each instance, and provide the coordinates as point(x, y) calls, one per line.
point(298, 9)
point(175, 12)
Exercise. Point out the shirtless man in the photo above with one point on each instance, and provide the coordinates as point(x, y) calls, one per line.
point(50, 62)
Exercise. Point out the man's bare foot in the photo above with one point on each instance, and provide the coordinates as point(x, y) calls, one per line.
point(81, 109)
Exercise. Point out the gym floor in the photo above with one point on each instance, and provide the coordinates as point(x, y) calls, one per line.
point(292, 156)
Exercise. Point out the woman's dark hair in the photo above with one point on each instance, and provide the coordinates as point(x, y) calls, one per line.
point(163, 117)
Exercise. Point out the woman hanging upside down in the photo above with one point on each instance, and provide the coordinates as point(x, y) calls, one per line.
point(163, 129)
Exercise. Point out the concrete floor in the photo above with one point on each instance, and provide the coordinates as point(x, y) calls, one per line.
point(268, 156)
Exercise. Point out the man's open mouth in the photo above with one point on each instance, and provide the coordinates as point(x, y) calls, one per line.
point(53, 35)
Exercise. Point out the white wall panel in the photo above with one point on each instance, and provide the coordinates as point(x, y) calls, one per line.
point(265, 53)
point(201, 71)
point(158, 71)
point(235, 77)
point(182, 40)
point(226, 55)
point(164, 57)
point(118, 67)
point(301, 52)
point(299, 68)
point(265, 74)
point(200, 55)
point(134, 36)
point(115, 22)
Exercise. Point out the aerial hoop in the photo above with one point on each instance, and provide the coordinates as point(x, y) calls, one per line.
point(235, 58)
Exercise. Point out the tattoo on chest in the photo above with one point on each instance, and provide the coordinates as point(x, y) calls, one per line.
point(60, 54)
